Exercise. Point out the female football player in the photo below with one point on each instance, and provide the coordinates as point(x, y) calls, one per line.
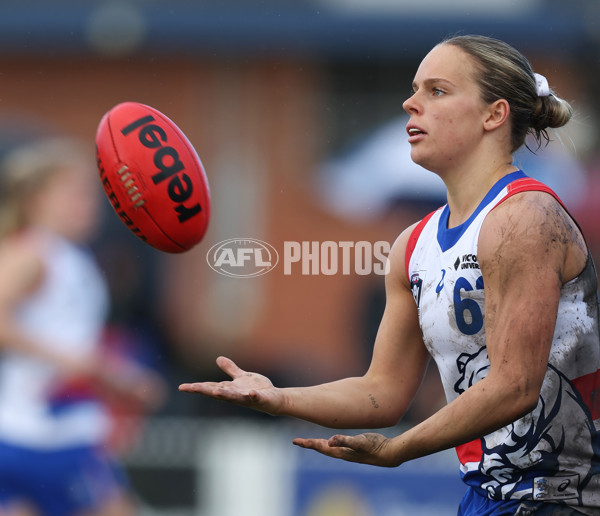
point(54, 424)
point(498, 286)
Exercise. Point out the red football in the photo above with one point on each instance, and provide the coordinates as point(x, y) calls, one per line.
point(153, 177)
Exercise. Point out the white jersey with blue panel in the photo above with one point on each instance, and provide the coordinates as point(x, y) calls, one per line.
point(551, 454)
point(67, 313)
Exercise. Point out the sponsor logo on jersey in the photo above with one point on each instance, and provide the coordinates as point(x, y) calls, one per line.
point(555, 488)
point(466, 261)
point(440, 285)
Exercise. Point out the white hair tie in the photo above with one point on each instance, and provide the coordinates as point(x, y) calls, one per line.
point(543, 90)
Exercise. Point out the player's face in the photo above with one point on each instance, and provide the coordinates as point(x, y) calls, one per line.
point(446, 110)
point(69, 203)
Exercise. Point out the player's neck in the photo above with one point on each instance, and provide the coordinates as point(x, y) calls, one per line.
point(467, 189)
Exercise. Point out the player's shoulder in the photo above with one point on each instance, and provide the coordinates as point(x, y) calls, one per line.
point(401, 243)
point(527, 219)
point(526, 208)
point(398, 253)
point(402, 240)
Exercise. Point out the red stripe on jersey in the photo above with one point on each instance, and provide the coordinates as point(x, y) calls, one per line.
point(527, 184)
point(412, 240)
point(73, 390)
point(589, 388)
point(470, 452)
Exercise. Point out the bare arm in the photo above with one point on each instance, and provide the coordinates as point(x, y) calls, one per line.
point(21, 272)
point(380, 397)
point(377, 399)
point(527, 250)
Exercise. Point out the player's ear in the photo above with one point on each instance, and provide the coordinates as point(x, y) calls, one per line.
point(496, 114)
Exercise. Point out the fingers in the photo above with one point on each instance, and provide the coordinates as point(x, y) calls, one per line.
point(199, 387)
point(214, 390)
point(225, 392)
point(337, 441)
point(246, 389)
point(230, 367)
point(344, 440)
point(364, 448)
point(326, 446)
point(226, 365)
point(320, 445)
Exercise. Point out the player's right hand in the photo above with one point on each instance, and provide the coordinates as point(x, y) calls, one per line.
point(247, 389)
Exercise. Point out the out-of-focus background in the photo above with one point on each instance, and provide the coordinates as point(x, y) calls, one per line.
point(296, 111)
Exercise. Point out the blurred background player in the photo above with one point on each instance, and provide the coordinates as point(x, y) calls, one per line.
point(54, 426)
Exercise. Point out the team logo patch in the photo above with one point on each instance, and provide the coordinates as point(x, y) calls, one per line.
point(555, 488)
point(416, 283)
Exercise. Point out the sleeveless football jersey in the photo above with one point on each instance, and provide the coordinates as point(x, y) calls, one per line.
point(551, 454)
point(66, 313)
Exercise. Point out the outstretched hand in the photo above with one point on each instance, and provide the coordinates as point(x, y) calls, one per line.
point(368, 448)
point(247, 389)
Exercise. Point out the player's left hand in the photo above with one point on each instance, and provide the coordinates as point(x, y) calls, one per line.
point(368, 448)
